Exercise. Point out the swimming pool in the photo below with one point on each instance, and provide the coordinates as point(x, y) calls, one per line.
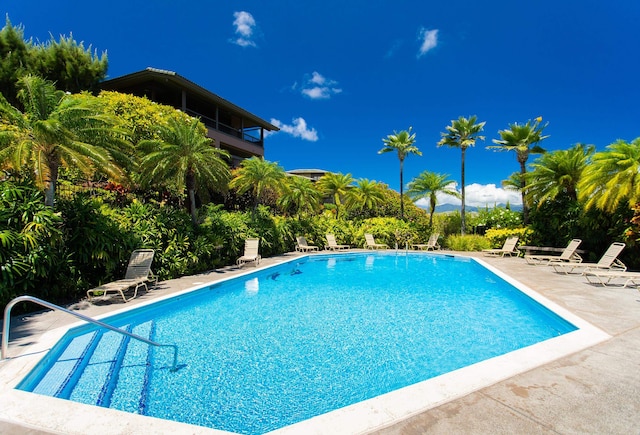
point(287, 346)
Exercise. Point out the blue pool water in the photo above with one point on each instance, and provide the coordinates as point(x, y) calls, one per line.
point(284, 344)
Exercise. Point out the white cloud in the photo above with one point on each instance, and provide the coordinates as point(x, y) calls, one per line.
point(297, 129)
point(428, 39)
point(244, 24)
point(319, 87)
point(479, 195)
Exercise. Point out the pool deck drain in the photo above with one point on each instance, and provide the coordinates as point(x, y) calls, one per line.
point(595, 390)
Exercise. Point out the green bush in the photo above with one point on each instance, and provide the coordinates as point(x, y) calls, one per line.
point(388, 230)
point(497, 217)
point(470, 242)
point(32, 257)
point(497, 237)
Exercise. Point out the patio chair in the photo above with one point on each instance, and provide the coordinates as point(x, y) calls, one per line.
point(251, 254)
point(609, 261)
point(370, 243)
point(432, 243)
point(509, 248)
point(138, 274)
point(303, 246)
point(569, 255)
point(606, 277)
point(333, 245)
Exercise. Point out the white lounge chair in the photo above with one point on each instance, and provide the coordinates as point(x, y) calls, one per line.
point(138, 274)
point(509, 248)
point(370, 243)
point(609, 261)
point(333, 245)
point(251, 254)
point(432, 243)
point(303, 246)
point(569, 255)
point(606, 277)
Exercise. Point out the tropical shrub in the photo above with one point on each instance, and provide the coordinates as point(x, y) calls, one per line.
point(497, 237)
point(469, 242)
point(498, 217)
point(390, 231)
point(31, 238)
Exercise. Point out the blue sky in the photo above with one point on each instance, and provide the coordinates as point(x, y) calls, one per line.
point(339, 76)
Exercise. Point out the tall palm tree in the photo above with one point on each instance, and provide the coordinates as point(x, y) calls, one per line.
point(612, 177)
point(403, 144)
point(366, 194)
point(55, 130)
point(185, 158)
point(336, 186)
point(558, 173)
point(462, 133)
point(523, 140)
point(257, 175)
point(301, 193)
point(428, 185)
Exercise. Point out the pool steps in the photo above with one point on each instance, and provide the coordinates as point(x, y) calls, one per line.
point(103, 368)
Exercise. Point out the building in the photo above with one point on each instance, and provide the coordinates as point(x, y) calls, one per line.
point(234, 129)
point(312, 174)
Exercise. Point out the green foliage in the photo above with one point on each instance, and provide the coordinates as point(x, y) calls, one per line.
point(140, 116)
point(612, 177)
point(403, 143)
point(94, 242)
point(185, 159)
point(56, 130)
point(31, 241)
point(428, 185)
point(391, 231)
point(556, 222)
point(468, 242)
point(67, 63)
point(70, 65)
point(497, 237)
point(498, 217)
point(15, 60)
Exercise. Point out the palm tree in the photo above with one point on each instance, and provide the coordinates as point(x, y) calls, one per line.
point(403, 144)
point(612, 177)
point(366, 194)
point(56, 130)
point(462, 133)
point(335, 186)
point(185, 157)
point(257, 176)
point(523, 139)
point(301, 193)
point(428, 185)
point(558, 173)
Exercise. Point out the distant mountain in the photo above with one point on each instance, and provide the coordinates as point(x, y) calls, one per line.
point(445, 208)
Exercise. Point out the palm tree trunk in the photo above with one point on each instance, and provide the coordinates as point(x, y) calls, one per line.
point(50, 192)
point(433, 210)
point(523, 190)
point(463, 224)
point(191, 190)
point(401, 189)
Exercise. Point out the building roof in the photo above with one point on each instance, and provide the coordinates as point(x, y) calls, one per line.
point(308, 171)
point(171, 77)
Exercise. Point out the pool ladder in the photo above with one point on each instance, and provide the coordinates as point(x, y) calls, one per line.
point(7, 324)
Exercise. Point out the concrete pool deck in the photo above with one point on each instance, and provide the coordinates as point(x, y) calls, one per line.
point(595, 390)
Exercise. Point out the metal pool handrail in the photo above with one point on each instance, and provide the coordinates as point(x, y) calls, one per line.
point(7, 322)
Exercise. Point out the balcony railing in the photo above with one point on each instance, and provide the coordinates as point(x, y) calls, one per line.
point(246, 134)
